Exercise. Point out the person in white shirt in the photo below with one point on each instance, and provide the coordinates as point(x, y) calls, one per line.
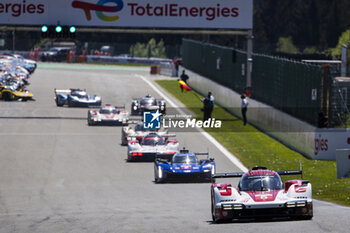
point(244, 107)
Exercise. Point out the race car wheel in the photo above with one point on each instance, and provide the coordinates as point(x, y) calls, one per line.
point(59, 103)
point(6, 96)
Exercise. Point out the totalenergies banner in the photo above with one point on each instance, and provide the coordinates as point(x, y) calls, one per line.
point(210, 14)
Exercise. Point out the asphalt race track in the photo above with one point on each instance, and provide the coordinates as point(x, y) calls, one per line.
point(57, 174)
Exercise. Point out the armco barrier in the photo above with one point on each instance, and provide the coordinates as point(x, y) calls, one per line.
point(126, 60)
point(312, 142)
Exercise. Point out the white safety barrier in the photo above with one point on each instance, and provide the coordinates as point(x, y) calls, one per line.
point(343, 163)
point(126, 60)
point(167, 69)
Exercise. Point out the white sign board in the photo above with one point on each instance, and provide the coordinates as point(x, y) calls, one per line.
point(209, 14)
point(327, 141)
point(343, 163)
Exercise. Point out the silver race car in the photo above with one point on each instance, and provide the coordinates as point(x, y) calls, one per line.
point(151, 147)
point(138, 132)
point(147, 103)
point(260, 194)
point(108, 115)
point(76, 98)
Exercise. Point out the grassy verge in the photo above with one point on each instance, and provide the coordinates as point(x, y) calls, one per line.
point(253, 147)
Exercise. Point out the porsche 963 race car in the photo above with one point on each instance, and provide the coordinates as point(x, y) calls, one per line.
point(138, 132)
point(260, 194)
point(108, 115)
point(151, 147)
point(147, 103)
point(184, 167)
point(76, 98)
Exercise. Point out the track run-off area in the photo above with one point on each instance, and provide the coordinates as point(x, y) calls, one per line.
point(57, 174)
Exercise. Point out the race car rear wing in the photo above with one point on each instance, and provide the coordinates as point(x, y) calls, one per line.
point(62, 91)
point(228, 175)
point(67, 91)
point(240, 174)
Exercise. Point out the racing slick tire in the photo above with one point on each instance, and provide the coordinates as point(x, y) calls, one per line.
point(58, 103)
point(6, 96)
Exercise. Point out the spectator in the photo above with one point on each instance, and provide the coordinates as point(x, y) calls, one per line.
point(208, 106)
point(244, 107)
point(184, 77)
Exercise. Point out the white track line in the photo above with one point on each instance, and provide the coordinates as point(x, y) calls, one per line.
point(228, 154)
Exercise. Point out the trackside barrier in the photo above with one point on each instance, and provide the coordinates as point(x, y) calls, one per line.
point(167, 69)
point(343, 163)
point(312, 142)
point(126, 60)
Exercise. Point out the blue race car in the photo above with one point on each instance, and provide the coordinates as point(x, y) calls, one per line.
point(184, 167)
point(76, 98)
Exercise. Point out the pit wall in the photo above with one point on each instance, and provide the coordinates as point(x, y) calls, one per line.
point(294, 133)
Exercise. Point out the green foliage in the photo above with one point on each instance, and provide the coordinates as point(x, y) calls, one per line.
point(344, 39)
point(41, 43)
point(285, 45)
point(151, 49)
point(253, 147)
point(310, 50)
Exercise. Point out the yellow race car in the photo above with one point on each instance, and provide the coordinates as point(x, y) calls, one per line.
point(8, 93)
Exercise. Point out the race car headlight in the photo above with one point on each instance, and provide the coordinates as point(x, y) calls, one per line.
point(237, 206)
point(207, 170)
point(301, 203)
point(160, 173)
point(290, 204)
point(227, 207)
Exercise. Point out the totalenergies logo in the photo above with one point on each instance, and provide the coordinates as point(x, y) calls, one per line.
point(99, 8)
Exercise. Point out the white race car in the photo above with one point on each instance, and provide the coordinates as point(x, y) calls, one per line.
point(138, 132)
point(108, 115)
point(260, 194)
point(151, 147)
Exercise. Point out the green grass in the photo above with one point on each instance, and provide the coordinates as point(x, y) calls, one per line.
point(253, 147)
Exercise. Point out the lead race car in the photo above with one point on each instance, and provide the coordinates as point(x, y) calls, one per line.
point(260, 194)
point(108, 115)
point(184, 167)
point(76, 98)
point(151, 147)
point(147, 103)
point(138, 132)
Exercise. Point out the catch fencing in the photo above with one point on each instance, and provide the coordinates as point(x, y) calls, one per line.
point(291, 86)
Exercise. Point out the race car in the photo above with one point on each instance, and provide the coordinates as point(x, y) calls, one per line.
point(76, 98)
point(147, 103)
point(8, 93)
point(260, 194)
point(108, 115)
point(184, 167)
point(138, 132)
point(151, 147)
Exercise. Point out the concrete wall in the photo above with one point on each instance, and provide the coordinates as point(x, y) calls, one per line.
point(294, 133)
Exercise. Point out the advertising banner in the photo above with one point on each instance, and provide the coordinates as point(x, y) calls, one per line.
point(208, 14)
point(327, 141)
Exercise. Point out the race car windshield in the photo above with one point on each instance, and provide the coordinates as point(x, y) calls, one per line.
point(80, 94)
point(152, 141)
point(184, 159)
point(148, 101)
point(108, 111)
point(260, 183)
